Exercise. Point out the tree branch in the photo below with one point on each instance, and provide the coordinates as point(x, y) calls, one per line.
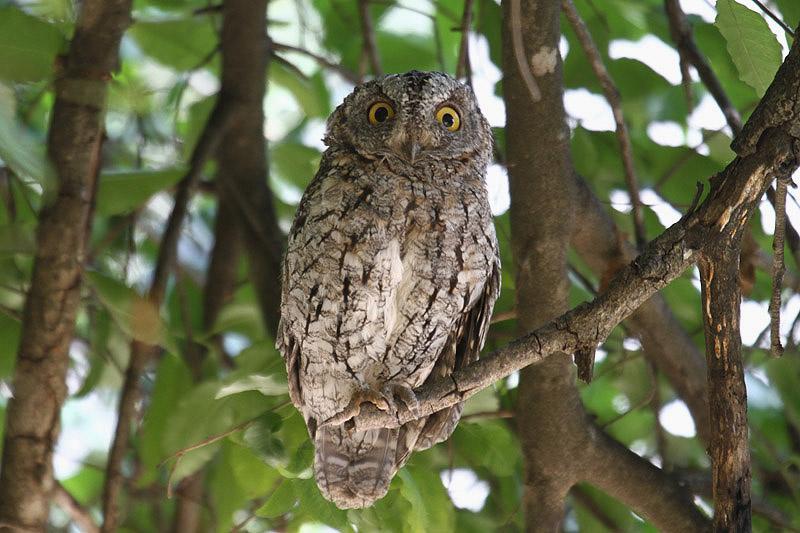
point(462, 68)
point(778, 267)
point(370, 43)
point(665, 341)
point(48, 327)
point(79, 515)
point(682, 36)
point(732, 200)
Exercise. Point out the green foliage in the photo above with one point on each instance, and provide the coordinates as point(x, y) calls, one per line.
point(28, 46)
point(206, 381)
point(751, 44)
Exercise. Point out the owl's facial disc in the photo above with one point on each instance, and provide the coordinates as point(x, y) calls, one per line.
point(410, 145)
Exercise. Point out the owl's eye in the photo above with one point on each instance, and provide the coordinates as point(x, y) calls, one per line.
point(448, 117)
point(380, 112)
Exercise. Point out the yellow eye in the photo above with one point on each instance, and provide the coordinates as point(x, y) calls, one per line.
point(448, 117)
point(380, 112)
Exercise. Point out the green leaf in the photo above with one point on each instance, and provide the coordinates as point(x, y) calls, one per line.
point(253, 476)
point(313, 507)
point(279, 502)
point(85, 486)
point(182, 44)
point(751, 44)
point(266, 385)
point(133, 313)
point(488, 443)
point(28, 46)
point(122, 192)
point(312, 97)
point(294, 162)
point(431, 509)
point(173, 381)
point(9, 332)
point(18, 238)
point(18, 149)
point(790, 10)
point(263, 442)
point(199, 416)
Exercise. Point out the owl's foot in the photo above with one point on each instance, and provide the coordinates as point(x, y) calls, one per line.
point(354, 407)
point(394, 391)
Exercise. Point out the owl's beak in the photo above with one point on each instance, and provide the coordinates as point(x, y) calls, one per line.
point(411, 150)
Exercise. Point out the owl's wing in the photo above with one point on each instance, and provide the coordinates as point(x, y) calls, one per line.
point(462, 348)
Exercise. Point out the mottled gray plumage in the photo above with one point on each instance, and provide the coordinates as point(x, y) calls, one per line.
point(390, 275)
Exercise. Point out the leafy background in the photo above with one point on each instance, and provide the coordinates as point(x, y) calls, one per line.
point(260, 477)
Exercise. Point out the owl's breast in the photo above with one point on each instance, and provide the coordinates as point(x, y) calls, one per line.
point(378, 270)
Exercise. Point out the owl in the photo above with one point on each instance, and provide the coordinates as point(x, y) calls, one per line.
point(390, 275)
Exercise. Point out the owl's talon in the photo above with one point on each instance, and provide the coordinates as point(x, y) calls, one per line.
point(405, 394)
point(354, 407)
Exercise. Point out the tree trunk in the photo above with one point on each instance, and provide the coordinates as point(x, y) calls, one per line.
point(75, 139)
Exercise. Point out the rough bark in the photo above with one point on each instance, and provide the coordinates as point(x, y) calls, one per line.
point(243, 157)
point(729, 450)
point(541, 184)
point(75, 137)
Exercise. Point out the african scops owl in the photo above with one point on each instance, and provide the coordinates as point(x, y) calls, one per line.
point(390, 275)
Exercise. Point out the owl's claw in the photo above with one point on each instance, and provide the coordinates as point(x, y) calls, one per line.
point(386, 400)
point(354, 407)
point(394, 391)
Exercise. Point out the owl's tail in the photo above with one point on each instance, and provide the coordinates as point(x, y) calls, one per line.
point(353, 469)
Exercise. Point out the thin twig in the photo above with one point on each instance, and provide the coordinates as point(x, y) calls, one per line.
point(519, 52)
point(79, 515)
point(183, 451)
point(488, 415)
point(774, 17)
point(343, 72)
point(682, 36)
point(614, 99)
point(778, 267)
point(370, 43)
point(463, 50)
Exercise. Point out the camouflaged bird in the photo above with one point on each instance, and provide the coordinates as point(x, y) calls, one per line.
point(390, 275)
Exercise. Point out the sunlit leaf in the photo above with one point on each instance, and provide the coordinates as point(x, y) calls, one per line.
point(431, 509)
point(751, 44)
point(266, 385)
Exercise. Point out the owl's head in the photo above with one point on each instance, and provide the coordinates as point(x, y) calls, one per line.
point(412, 117)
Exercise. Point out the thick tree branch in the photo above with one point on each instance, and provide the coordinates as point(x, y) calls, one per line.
point(75, 137)
point(729, 450)
point(243, 158)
